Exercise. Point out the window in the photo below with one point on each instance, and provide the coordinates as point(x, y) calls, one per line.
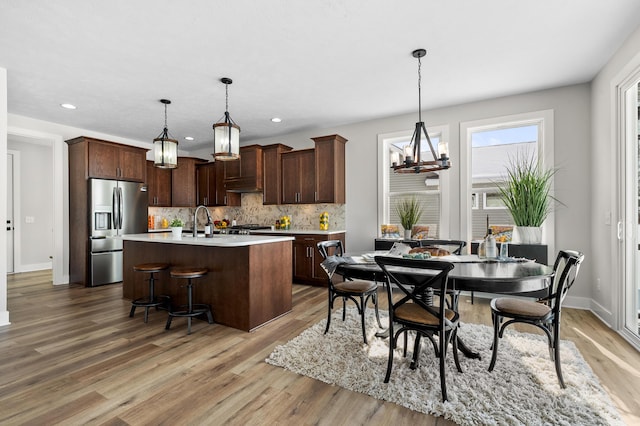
point(426, 187)
point(487, 148)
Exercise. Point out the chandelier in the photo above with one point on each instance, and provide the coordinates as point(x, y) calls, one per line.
point(413, 161)
point(226, 133)
point(165, 148)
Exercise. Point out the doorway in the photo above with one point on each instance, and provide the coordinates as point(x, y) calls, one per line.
point(59, 190)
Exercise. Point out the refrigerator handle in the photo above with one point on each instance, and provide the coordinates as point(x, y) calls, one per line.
point(114, 208)
point(120, 208)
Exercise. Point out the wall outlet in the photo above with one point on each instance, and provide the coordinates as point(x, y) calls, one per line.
point(29, 219)
point(598, 284)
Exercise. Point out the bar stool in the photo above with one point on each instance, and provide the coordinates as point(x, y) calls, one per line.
point(151, 300)
point(190, 309)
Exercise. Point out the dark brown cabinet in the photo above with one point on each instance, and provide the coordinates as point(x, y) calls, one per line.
point(330, 169)
point(307, 259)
point(210, 184)
point(109, 160)
point(94, 158)
point(158, 186)
point(183, 182)
point(272, 173)
point(249, 178)
point(298, 177)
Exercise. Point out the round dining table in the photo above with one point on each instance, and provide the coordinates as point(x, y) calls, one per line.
point(470, 273)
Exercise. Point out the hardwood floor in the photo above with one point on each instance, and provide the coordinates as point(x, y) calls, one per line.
point(73, 356)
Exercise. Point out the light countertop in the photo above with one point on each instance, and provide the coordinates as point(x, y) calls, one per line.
point(298, 231)
point(218, 240)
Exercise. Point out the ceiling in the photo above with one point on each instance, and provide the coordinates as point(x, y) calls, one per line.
point(315, 64)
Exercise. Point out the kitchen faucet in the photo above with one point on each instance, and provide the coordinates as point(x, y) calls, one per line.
point(195, 219)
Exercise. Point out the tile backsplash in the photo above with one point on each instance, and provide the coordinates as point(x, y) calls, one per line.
point(303, 216)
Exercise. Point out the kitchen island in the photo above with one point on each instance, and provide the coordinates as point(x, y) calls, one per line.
point(249, 279)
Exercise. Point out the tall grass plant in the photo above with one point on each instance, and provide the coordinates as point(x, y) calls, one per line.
point(526, 190)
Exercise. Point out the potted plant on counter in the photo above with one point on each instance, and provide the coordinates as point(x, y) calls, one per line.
point(409, 210)
point(176, 227)
point(526, 193)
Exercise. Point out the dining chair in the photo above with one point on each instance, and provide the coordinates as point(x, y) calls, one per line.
point(358, 291)
point(543, 313)
point(412, 313)
point(452, 246)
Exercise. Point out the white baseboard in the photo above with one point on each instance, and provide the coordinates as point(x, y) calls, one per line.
point(34, 267)
point(4, 318)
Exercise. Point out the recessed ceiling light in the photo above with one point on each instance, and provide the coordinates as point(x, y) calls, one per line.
point(276, 119)
point(68, 106)
point(188, 138)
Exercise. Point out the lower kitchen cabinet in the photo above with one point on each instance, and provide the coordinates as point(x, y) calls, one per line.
point(307, 259)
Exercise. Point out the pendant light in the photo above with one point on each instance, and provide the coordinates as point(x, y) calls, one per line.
point(165, 148)
point(226, 133)
point(413, 161)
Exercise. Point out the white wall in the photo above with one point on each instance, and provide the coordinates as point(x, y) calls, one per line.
point(35, 186)
point(4, 312)
point(603, 160)
point(571, 107)
point(55, 134)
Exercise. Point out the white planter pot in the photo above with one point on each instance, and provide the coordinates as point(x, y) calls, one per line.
point(176, 232)
point(527, 234)
point(407, 234)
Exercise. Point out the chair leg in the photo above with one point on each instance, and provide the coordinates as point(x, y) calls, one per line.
point(456, 358)
point(364, 331)
point(405, 337)
point(344, 308)
point(392, 344)
point(329, 305)
point(375, 301)
point(416, 352)
point(556, 353)
point(132, 311)
point(494, 346)
point(443, 352)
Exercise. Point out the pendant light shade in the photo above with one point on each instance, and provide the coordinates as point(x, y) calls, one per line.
point(226, 133)
point(165, 148)
point(413, 161)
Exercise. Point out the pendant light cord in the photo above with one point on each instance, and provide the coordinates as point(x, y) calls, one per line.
point(226, 102)
point(419, 90)
point(165, 118)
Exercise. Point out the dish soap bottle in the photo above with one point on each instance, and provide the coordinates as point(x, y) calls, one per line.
point(208, 229)
point(490, 247)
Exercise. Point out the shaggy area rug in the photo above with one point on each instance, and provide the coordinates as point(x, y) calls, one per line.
point(522, 389)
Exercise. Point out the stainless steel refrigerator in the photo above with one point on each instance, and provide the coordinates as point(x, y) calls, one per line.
point(116, 208)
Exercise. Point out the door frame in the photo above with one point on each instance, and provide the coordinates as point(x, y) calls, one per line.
point(60, 189)
point(17, 259)
point(626, 222)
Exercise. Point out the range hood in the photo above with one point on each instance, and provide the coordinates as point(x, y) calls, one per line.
point(250, 178)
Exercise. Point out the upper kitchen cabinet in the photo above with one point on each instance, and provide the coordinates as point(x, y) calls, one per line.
point(158, 186)
point(298, 177)
point(249, 178)
point(330, 169)
point(272, 173)
point(210, 184)
point(183, 182)
point(108, 160)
